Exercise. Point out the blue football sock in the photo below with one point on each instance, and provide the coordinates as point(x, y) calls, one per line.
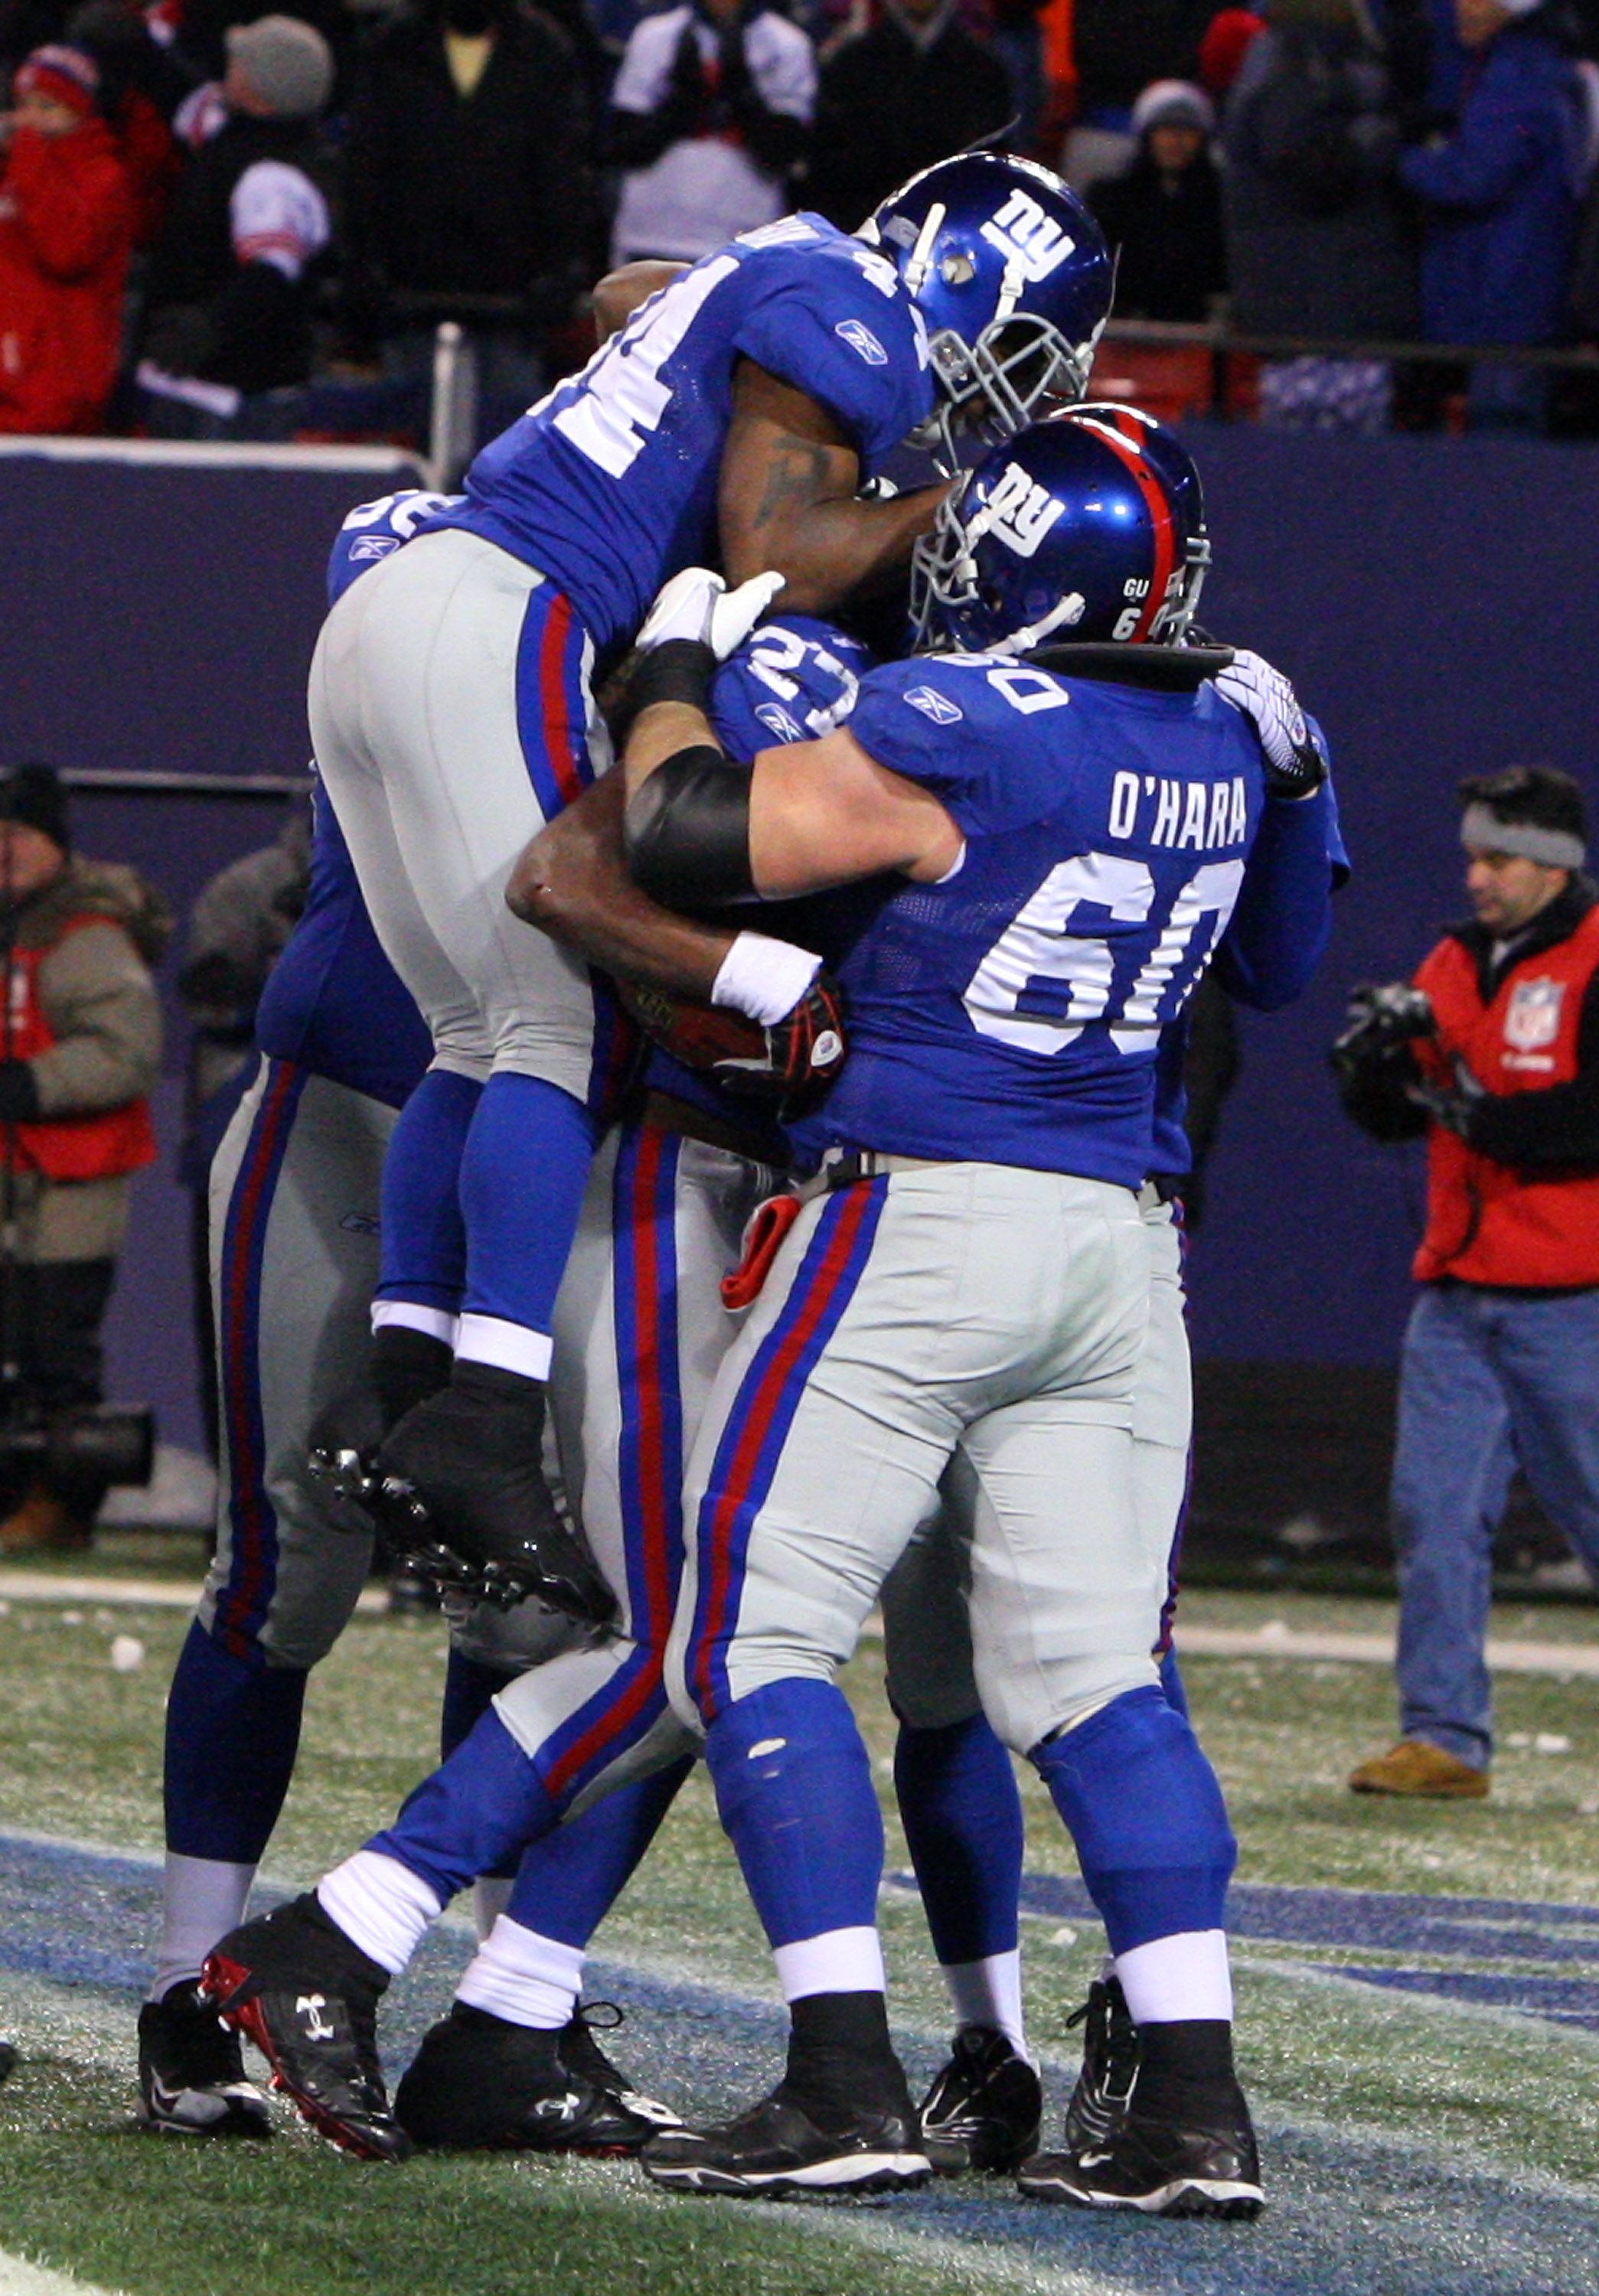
point(475, 1815)
point(1146, 1814)
point(1171, 1682)
point(233, 1731)
point(422, 1250)
point(794, 1792)
point(961, 1814)
point(569, 1880)
point(522, 1179)
point(469, 1689)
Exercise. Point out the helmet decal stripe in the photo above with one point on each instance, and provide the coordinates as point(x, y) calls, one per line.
point(1163, 531)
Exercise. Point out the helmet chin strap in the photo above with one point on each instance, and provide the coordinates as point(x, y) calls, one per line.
point(921, 256)
point(1062, 614)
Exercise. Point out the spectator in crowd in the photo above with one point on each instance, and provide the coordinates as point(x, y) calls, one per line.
point(1319, 242)
point(1118, 47)
point(1163, 219)
point(200, 30)
point(1228, 38)
point(227, 321)
point(468, 189)
point(710, 114)
point(66, 232)
point(80, 1040)
point(238, 928)
point(915, 87)
point(1498, 1062)
point(140, 89)
point(1501, 193)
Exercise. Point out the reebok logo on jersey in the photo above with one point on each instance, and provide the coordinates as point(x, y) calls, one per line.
point(776, 720)
point(932, 704)
point(860, 338)
point(1025, 236)
point(1020, 513)
point(371, 546)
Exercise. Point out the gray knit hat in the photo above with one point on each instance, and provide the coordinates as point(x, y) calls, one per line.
point(288, 65)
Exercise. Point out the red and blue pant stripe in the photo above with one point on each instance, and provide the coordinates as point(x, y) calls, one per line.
point(757, 1426)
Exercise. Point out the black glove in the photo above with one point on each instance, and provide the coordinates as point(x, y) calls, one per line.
point(805, 1051)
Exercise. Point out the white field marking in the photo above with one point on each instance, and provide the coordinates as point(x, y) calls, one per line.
point(137, 1593)
point(1276, 1640)
point(18, 2277)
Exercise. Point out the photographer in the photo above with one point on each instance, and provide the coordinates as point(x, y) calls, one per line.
point(1493, 1054)
point(80, 1038)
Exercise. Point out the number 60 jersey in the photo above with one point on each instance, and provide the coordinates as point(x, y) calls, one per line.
point(1012, 1014)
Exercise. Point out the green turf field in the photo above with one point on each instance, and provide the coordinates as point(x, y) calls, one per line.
point(1413, 2142)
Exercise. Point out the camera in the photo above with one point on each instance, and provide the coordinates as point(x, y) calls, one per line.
point(1380, 1017)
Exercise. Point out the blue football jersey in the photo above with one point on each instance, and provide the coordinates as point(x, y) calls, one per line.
point(608, 485)
point(1014, 1013)
point(335, 1004)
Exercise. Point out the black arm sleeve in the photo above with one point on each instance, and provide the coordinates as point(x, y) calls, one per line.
point(1559, 1124)
point(686, 833)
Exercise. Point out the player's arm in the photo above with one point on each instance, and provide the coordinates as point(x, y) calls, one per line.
point(622, 291)
point(572, 883)
point(789, 480)
point(806, 816)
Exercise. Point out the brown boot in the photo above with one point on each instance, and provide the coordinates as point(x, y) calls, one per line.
point(44, 1524)
point(1412, 1767)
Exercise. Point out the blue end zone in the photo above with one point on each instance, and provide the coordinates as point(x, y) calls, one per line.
point(1465, 1930)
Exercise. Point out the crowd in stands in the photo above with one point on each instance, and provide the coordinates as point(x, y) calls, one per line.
point(219, 223)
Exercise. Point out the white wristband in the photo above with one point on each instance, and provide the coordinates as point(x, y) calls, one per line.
point(764, 979)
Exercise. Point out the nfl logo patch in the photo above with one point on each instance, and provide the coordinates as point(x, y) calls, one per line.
point(1533, 1018)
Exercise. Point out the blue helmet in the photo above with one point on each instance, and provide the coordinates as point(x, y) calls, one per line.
point(1090, 525)
point(1013, 276)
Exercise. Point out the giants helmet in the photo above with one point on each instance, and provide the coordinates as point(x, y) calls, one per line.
point(1088, 526)
point(1013, 276)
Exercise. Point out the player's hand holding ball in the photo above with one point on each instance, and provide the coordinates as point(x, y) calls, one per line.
point(698, 605)
point(787, 1060)
point(1294, 766)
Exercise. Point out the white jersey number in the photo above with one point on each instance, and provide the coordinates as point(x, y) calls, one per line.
point(622, 398)
point(1036, 946)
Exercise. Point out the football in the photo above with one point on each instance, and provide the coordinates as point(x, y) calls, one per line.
point(700, 1036)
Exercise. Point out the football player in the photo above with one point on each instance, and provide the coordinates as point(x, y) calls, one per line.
point(450, 706)
point(480, 1805)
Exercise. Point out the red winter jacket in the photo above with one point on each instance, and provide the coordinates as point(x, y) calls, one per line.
point(66, 226)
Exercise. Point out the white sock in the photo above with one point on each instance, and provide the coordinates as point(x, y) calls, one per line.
point(989, 1992)
point(839, 1961)
point(201, 1899)
point(1175, 1978)
point(490, 1896)
point(525, 1978)
point(381, 1905)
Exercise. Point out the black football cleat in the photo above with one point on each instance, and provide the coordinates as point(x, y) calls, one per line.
point(192, 2078)
point(307, 1996)
point(1110, 2065)
point(984, 2108)
point(1158, 2167)
point(776, 2148)
point(463, 1496)
point(581, 2053)
point(481, 2084)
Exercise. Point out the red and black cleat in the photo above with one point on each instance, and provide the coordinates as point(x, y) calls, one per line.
point(307, 1996)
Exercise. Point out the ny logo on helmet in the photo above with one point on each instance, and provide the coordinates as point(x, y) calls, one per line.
point(1021, 512)
point(1025, 234)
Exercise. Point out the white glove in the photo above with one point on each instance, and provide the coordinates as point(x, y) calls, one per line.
point(1293, 764)
point(698, 605)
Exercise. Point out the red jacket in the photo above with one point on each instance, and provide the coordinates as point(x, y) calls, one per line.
point(1488, 1221)
point(66, 227)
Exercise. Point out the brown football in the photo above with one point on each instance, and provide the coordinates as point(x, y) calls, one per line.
point(698, 1034)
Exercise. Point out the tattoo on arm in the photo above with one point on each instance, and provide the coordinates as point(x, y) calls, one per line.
point(796, 478)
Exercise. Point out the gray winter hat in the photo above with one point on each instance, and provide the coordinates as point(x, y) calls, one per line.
point(288, 65)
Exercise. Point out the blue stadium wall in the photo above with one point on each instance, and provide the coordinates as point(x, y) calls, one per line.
point(1434, 599)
